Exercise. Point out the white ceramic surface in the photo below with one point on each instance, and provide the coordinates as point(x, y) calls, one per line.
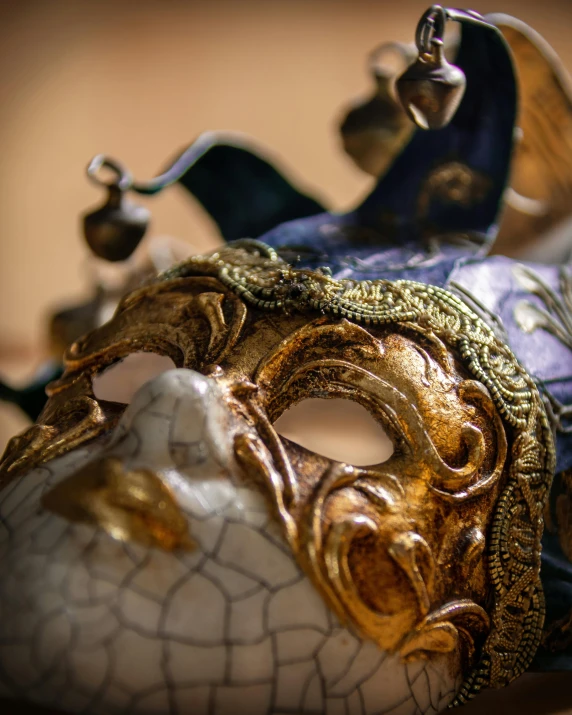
point(96, 626)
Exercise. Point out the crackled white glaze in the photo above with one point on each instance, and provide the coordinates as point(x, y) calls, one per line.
point(92, 625)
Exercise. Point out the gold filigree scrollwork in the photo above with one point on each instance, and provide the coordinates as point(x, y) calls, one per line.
point(387, 545)
point(194, 321)
point(555, 315)
point(267, 283)
point(377, 504)
point(64, 424)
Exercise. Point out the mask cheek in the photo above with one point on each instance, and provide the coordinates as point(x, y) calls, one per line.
point(85, 617)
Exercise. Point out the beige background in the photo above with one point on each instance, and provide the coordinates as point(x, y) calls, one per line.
point(140, 79)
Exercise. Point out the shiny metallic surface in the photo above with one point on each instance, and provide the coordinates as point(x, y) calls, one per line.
point(380, 543)
point(114, 230)
point(375, 130)
point(431, 90)
point(429, 560)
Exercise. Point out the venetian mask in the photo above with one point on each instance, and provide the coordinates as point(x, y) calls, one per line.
point(176, 552)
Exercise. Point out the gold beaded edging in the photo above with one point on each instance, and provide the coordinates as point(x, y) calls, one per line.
point(257, 274)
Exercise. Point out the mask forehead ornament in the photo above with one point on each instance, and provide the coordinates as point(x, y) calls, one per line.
point(432, 557)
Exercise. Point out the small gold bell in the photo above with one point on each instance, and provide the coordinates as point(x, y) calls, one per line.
point(431, 89)
point(114, 230)
point(375, 130)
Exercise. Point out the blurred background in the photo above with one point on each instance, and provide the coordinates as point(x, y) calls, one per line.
point(140, 80)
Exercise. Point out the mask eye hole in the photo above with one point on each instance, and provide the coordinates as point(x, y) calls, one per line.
point(122, 380)
point(338, 429)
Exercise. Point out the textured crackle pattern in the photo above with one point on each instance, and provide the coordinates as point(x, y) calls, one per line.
point(92, 625)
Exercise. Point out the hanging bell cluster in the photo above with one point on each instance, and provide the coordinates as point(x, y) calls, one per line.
point(373, 131)
point(431, 89)
point(114, 230)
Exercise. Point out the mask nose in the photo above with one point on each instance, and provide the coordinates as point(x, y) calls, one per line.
point(170, 449)
point(177, 420)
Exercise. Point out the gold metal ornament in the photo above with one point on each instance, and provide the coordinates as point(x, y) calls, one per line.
point(436, 550)
point(431, 555)
point(114, 230)
point(376, 129)
point(452, 182)
point(129, 504)
point(431, 89)
point(180, 319)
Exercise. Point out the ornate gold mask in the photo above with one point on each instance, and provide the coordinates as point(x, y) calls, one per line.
point(179, 554)
point(433, 555)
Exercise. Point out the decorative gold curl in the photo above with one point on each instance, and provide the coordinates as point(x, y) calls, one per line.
point(158, 317)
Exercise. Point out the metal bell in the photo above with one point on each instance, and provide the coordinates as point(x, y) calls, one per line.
point(432, 88)
point(375, 129)
point(114, 230)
